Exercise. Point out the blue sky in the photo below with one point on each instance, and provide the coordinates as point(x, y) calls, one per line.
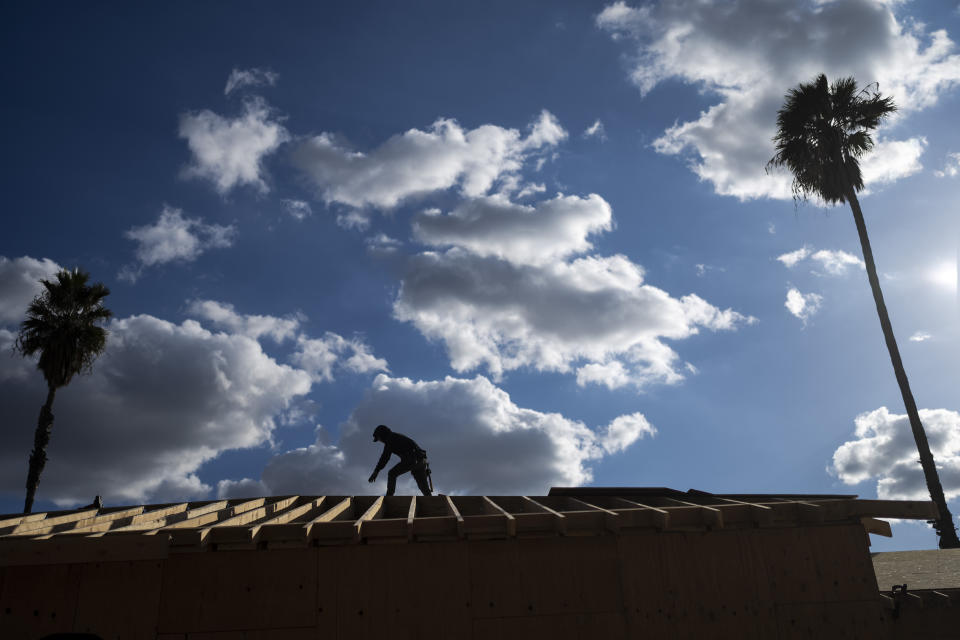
point(537, 237)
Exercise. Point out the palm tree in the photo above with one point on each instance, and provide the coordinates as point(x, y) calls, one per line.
point(62, 326)
point(822, 131)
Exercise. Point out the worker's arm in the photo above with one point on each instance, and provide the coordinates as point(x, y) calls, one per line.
point(381, 463)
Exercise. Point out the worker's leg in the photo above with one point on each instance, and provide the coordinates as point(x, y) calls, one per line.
point(419, 473)
point(401, 467)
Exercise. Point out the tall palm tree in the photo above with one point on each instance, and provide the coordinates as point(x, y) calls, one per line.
point(822, 131)
point(62, 326)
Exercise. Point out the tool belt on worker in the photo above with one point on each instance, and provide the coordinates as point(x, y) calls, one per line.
point(421, 460)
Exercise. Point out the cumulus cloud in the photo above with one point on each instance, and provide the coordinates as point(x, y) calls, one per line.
point(951, 167)
point(486, 445)
point(891, 160)
point(792, 258)
point(298, 209)
point(162, 400)
point(230, 151)
point(883, 449)
point(20, 283)
point(319, 356)
point(803, 305)
point(832, 262)
point(612, 375)
point(836, 262)
point(418, 162)
point(596, 130)
point(748, 54)
point(550, 317)
point(223, 315)
point(174, 238)
point(381, 243)
point(920, 336)
point(535, 234)
point(241, 78)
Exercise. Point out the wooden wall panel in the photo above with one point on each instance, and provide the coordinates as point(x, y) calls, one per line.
point(756, 584)
point(555, 627)
point(649, 609)
point(816, 620)
point(353, 567)
point(495, 588)
point(119, 599)
point(547, 576)
point(181, 595)
point(307, 633)
point(38, 600)
point(791, 564)
point(227, 590)
point(608, 626)
point(596, 565)
point(436, 591)
point(328, 588)
point(843, 558)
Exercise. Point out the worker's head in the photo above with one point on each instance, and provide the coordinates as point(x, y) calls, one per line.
point(379, 432)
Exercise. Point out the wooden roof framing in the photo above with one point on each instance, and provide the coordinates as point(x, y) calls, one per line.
point(269, 522)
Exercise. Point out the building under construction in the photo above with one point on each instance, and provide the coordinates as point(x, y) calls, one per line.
point(582, 563)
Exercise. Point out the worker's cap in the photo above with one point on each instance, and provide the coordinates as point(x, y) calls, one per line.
point(380, 431)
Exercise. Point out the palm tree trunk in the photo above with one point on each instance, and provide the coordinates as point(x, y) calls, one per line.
point(944, 522)
point(38, 457)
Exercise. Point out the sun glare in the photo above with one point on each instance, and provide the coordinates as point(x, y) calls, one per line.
point(944, 275)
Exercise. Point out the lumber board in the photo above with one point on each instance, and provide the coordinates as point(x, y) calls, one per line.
point(878, 527)
point(98, 522)
point(35, 527)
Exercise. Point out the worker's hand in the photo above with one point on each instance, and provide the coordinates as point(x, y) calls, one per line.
point(373, 477)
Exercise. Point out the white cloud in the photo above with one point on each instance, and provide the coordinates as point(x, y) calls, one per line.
point(951, 167)
point(230, 152)
point(175, 238)
point(531, 188)
point(836, 262)
point(792, 258)
point(357, 219)
point(486, 445)
point(884, 450)
point(161, 400)
point(240, 78)
point(20, 283)
point(748, 54)
point(536, 234)
point(318, 356)
point(920, 336)
point(223, 315)
point(381, 243)
point(417, 162)
point(595, 130)
point(891, 160)
point(593, 310)
point(612, 375)
point(624, 431)
point(833, 262)
point(298, 209)
point(803, 305)
point(703, 269)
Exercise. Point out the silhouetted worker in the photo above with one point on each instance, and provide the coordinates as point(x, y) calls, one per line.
point(412, 459)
